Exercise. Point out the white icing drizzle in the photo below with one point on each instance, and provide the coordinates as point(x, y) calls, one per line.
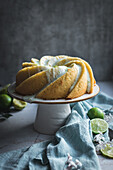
point(42, 68)
point(79, 69)
point(55, 72)
point(54, 60)
point(48, 74)
point(88, 81)
point(45, 60)
point(36, 61)
point(60, 70)
point(78, 75)
point(52, 73)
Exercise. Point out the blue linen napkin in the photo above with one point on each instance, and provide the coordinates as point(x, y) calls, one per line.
point(75, 138)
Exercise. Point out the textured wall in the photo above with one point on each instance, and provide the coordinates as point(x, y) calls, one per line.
point(33, 28)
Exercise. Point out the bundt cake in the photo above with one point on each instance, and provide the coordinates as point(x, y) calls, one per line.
point(55, 77)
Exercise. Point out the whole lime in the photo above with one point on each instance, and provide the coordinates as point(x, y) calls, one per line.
point(5, 102)
point(95, 112)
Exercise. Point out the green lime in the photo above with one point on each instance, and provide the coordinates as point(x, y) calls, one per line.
point(5, 102)
point(107, 151)
point(19, 104)
point(99, 125)
point(95, 113)
point(4, 89)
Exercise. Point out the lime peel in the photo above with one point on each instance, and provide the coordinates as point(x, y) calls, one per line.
point(5, 102)
point(95, 112)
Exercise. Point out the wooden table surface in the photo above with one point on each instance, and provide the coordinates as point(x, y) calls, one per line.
point(18, 131)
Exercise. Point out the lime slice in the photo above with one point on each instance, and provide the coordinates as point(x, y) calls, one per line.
point(5, 102)
point(107, 151)
point(19, 104)
point(99, 125)
point(95, 113)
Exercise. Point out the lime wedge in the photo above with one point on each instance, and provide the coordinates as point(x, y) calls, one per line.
point(99, 125)
point(19, 104)
point(95, 112)
point(107, 151)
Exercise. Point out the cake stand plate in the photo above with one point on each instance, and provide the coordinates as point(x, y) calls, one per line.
point(51, 114)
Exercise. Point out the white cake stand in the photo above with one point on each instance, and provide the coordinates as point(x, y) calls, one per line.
point(51, 114)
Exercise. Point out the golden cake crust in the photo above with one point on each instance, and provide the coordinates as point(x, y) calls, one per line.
point(60, 87)
point(32, 84)
point(25, 73)
point(55, 77)
point(81, 85)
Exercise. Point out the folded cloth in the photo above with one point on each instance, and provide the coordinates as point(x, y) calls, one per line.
point(75, 138)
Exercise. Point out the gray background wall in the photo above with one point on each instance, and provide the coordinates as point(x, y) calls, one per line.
point(33, 28)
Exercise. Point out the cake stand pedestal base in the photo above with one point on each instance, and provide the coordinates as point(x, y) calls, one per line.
point(50, 117)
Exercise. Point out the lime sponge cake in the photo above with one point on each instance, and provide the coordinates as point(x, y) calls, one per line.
point(55, 77)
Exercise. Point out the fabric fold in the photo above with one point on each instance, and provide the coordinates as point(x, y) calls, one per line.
point(75, 138)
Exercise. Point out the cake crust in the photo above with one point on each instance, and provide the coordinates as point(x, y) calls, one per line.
point(60, 87)
point(32, 84)
point(55, 77)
